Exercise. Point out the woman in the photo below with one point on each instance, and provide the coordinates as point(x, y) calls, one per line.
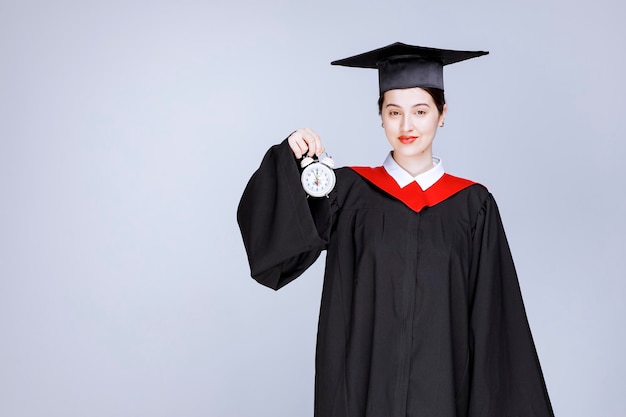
point(421, 312)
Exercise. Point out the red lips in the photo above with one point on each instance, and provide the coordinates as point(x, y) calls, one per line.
point(407, 139)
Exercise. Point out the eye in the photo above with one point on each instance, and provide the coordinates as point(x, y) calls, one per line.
point(394, 113)
point(421, 112)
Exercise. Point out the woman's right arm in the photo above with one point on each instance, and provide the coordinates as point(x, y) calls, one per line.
point(283, 231)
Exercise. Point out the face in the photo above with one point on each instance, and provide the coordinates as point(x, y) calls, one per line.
point(410, 119)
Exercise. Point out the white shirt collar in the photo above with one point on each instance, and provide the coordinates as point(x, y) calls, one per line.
point(425, 180)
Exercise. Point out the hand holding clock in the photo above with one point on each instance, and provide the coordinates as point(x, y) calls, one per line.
point(305, 142)
point(317, 177)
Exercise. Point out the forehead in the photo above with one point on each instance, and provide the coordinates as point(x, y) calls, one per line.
point(407, 97)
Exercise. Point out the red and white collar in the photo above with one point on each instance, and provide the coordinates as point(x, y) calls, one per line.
point(425, 180)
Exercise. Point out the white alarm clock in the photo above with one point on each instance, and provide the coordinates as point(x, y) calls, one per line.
point(318, 176)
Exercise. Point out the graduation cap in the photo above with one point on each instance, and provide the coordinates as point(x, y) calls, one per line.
point(405, 66)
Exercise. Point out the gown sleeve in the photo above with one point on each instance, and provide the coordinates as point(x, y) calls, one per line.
point(283, 231)
point(506, 377)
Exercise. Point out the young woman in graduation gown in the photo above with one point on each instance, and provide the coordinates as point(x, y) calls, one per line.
point(421, 312)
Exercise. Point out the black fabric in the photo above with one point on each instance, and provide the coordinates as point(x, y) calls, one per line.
point(406, 73)
point(421, 313)
point(404, 66)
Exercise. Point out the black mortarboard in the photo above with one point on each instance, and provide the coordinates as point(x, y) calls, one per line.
point(405, 66)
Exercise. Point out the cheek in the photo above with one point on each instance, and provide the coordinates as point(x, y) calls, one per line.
point(430, 123)
point(387, 122)
point(388, 129)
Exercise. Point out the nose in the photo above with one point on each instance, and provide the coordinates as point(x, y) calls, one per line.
point(407, 125)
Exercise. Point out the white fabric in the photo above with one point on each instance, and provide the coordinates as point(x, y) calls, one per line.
point(425, 180)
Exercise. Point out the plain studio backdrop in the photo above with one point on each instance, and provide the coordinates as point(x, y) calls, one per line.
point(128, 131)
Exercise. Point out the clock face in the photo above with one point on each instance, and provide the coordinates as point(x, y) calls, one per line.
point(318, 179)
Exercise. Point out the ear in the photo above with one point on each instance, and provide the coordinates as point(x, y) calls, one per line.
point(442, 116)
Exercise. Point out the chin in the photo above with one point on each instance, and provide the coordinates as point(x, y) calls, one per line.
point(409, 151)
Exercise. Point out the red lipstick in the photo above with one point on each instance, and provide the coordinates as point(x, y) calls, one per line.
point(407, 139)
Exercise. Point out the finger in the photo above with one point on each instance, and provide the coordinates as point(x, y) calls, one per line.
point(314, 142)
point(297, 144)
point(308, 145)
point(319, 147)
point(295, 148)
point(302, 146)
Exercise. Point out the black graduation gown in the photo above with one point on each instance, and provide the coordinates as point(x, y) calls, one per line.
point(421, 312)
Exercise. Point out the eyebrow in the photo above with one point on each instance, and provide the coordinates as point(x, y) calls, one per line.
point(413, 106)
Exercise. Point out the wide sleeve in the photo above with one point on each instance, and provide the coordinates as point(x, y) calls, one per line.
point(283, 231)
point(506, 377)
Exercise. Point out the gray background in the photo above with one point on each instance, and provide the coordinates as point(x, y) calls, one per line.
point(129, 129)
